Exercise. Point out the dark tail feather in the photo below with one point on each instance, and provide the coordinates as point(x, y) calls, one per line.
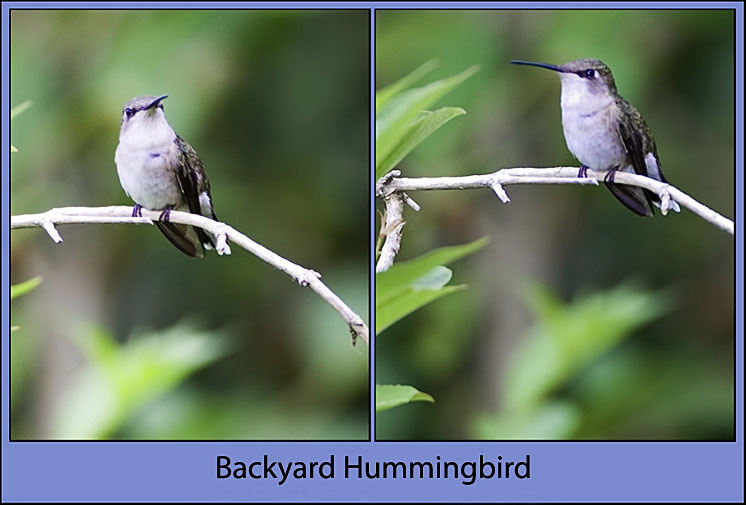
point(183, 237)
point(635, 199)
point(205, 238)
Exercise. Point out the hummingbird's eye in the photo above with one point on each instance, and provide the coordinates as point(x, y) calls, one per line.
point(590, 73)
point(129, 112)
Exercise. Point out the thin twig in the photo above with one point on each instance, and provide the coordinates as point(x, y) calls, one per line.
point(223, 233)
point(391, 185)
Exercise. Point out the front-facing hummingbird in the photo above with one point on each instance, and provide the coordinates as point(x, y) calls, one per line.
point(160, 171)
point(604, 132)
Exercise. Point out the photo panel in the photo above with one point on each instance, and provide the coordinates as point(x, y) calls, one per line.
point(530, 303)
point(257, 120)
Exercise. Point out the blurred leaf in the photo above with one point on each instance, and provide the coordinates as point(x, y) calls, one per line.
point(24, 287)
point(407, 302)
point(418, 131)
point(402, 110)
point(13, 113)
point(20, 108)
point(390, 396)
point(563, 342)
point(566, 338)
point(24, 349)
point(384, 95)
point(551, 421)
point(121, 378)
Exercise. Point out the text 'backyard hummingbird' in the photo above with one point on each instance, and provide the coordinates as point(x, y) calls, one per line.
point(604, 132)
point(160, 171)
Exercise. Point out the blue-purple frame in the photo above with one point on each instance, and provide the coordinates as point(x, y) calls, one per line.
point(186, 471)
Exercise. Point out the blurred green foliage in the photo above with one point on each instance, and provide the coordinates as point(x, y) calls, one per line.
point(15, 111)
point(277, 105)
point(402, 124)
point(120, 379)
point(655, 366)
point(560, 345)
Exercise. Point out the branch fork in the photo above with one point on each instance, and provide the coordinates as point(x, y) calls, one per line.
point(391, 187)
point(499, 190)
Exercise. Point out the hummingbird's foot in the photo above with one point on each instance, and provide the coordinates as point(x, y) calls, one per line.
point(137, 210)
point(609, 177)
point(583, 172)
point(165, 215)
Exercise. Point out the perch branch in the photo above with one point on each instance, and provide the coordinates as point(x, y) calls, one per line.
point(390, 185)
point(223, 233)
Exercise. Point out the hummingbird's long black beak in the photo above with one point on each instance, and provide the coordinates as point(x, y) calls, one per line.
point(535, 64)
point(155, 102)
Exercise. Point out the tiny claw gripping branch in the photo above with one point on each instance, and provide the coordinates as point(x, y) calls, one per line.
point(166, 214)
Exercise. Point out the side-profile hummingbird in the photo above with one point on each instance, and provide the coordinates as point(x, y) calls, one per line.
point(160, 171)
point(604, 132)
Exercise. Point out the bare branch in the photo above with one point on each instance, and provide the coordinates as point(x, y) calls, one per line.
point(222, 232)
point(392, 229)
point(391, 185)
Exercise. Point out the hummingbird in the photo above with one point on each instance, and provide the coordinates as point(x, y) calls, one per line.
point(605, 132)
point(160, 171)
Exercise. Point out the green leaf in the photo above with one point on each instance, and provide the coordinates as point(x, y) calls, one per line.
point(24, 287)
point(384, 95)
point(390, 396)
point(418, 131)
point(404, 273)
point(410, 285)
point(434, 279)
point(402, 110)
point(406, 302)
